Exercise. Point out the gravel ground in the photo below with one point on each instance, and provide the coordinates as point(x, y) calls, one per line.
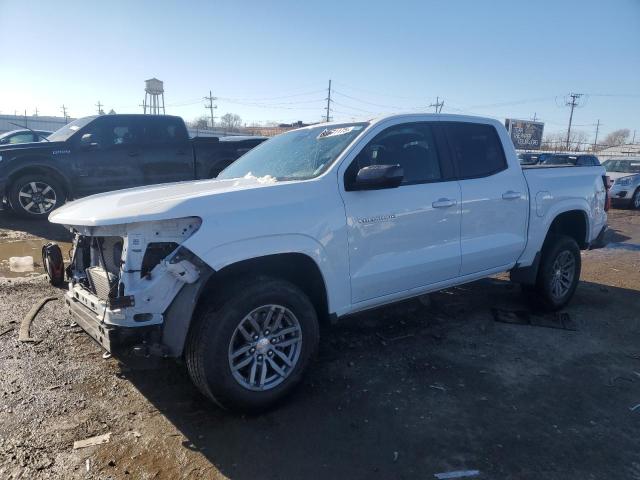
point(406, 391)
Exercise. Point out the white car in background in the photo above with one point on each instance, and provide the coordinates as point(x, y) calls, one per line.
point(625, 173)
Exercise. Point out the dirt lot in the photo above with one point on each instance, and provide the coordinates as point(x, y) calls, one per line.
point(406, 391)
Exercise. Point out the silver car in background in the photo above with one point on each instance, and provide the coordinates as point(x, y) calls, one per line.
point(625, 173)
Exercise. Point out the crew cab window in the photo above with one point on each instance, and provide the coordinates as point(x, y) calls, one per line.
point(165, 130)
point(115, 131)
point(412, 146)
point(477, 149)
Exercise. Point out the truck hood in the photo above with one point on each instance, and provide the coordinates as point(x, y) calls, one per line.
point(617, 175)
point(30, 145)
point(157, 202)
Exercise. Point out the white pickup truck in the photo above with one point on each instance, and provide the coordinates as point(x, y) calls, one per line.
point(234, 274)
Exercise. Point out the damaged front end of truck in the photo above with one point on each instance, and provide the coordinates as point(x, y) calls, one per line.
point(133, 287)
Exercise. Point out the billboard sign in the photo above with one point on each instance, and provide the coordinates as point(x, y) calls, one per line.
point(525, 134)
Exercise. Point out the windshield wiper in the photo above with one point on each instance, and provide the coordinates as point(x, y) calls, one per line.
point(27, 128)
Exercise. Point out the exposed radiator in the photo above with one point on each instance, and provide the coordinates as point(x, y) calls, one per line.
point(100, 282)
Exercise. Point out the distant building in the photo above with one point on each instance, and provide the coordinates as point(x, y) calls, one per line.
point(11, 122)
point(620, 151)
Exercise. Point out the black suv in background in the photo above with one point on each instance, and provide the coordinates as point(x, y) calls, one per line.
point(110, 152)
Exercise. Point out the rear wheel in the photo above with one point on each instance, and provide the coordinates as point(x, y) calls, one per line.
point(248, 351)
point(558, 274)
point(35, 195)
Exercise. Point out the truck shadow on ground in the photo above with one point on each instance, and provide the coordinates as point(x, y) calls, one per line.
point(410, 390)
point(37, 227)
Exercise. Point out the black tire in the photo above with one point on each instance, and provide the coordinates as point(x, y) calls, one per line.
point(556, 248)
point(53, 264)
point(635, 200)
point(53, 198)
point(207, 349)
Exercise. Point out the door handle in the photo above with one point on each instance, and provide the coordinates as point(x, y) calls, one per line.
point(511, 195)
point(133, 154)
point(443, 203)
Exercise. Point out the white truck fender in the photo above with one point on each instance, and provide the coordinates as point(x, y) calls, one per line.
point(335, 277)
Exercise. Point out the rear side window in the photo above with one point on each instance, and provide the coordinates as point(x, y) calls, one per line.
point(165, 130)
point(477, 149)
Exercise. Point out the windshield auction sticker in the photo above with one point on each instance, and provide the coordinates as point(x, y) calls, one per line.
point(334, 132)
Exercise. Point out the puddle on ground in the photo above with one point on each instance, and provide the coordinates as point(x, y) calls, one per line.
point(24, 248)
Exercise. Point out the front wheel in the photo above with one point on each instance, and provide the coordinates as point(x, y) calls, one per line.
point(247, 351)
point(635, 200)
point(35, 195)
point(558, 274)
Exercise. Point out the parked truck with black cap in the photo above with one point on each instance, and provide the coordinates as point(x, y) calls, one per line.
point(235, 274)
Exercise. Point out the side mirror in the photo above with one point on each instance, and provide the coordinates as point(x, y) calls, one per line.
point(375, 177)
point(87, 141)
point(3, 141)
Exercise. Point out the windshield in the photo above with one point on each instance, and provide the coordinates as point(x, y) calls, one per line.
point(622, 166)
point(69, 129)
point(296, 155)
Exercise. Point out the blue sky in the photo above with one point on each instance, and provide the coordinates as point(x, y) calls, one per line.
point(272, 60)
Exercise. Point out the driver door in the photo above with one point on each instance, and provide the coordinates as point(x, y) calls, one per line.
point(407, 237)
point(113, 160)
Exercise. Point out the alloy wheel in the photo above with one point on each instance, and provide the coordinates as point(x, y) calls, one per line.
point(265, 347)
point(563, 272)
point(37, 198)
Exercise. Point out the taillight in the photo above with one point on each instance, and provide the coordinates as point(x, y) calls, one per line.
point(607, 185)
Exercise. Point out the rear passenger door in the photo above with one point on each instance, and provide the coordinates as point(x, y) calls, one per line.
point(167, 152)
point(494, 195)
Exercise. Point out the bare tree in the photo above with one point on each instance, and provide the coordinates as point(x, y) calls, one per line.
point(617, 137)
point(201, 123)
point(230, 121)
point(558, 141)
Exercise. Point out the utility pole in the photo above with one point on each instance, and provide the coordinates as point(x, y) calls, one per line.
point(64, 112)
point(99, 105)
point(438, 105)
point(634, 137)
point(535, 116)
point(328, 107)
point(572, 103)
point(211, 106)
point(36, 112)
point(595, 142)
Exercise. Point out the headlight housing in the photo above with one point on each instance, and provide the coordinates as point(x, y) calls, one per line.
point(624, 181)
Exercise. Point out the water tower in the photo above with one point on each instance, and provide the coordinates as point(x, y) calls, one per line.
point(153, 96)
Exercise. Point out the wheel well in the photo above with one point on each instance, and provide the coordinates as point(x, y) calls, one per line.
point(296, 268)
point(573, 224)
point(41, 171)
